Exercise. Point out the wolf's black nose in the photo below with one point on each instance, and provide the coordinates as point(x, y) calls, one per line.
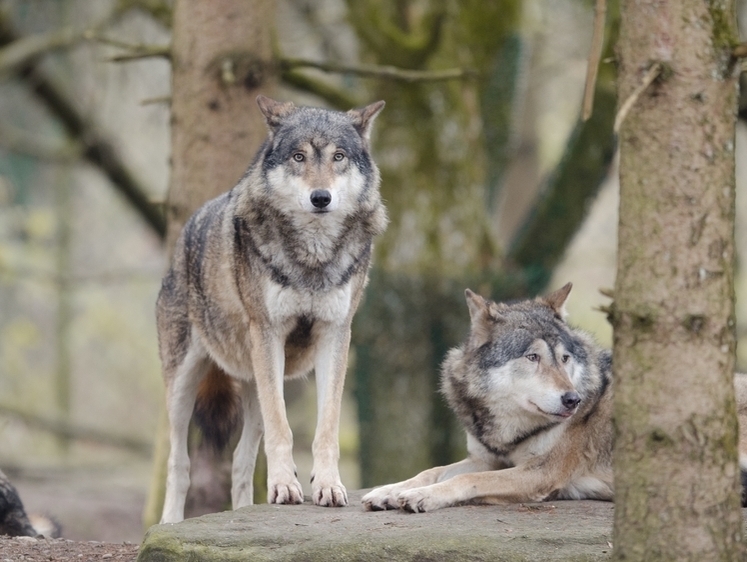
point(320, 198)
point(570, 400)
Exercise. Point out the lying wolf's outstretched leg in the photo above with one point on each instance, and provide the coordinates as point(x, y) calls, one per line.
point(512, 485)
point(387, 497)
point(181, 392)
point(331, 363)
point(268, 362)
point(245, 454)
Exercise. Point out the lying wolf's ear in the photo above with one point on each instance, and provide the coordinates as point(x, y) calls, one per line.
point(483, 316)
point(556, 300)
point(274, 111)
point(364, 118)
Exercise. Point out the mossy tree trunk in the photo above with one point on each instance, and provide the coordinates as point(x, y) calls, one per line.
point(676, 475)
point(430, 146)
point(221, 60)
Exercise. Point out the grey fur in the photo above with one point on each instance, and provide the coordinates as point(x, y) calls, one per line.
point(506, 385)
point(260, 265)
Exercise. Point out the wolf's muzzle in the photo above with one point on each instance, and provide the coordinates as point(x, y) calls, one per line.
point(320, 198)
point(570, 400)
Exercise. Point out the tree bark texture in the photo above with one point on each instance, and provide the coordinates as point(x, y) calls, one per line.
point(676, 474)
point(221, 60)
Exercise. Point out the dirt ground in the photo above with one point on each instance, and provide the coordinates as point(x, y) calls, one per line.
point(98, 508)
point(63, 550)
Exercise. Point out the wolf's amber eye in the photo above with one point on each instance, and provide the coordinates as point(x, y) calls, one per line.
point(338, 156)
point(565, 358)
point(299, 157)
point(533, 357)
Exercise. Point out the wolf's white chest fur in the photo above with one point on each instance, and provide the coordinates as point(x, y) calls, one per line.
point(285, 303)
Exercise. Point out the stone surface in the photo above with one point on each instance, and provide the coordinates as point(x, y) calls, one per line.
point(566, 530)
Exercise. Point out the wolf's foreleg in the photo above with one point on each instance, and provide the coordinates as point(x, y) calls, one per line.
point(268, 362)
point(511, 485)
point(245, 454)
point(387, 497)
point(329, 367)
point(181, 393)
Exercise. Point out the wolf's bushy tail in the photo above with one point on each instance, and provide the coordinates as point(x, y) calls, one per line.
point(217, 408)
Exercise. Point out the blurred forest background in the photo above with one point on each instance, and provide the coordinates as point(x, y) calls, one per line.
point(491, 179)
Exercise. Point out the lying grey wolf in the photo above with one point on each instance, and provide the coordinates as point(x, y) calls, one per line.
point(535, 397)
point(13, 519)
point(264, 283)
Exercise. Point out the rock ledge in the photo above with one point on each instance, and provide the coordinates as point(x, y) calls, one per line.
point(566, 530)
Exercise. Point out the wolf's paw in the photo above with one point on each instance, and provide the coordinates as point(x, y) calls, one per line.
point(381, 498)
point(330, 496)
point(418, 500)
point(285, 493)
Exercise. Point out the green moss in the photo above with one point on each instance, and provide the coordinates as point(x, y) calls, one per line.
point(723, 20)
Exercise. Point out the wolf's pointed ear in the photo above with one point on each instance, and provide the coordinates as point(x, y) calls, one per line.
point(274, 111)
point(483, 316)
point(556, 300)
point(364, 118)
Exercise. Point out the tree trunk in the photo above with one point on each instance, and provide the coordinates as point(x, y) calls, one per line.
point(676, 474)
point(430, 146)
point(221, 57)
point(221, 60)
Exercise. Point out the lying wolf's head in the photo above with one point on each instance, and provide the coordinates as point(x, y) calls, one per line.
point(522, 366)
point(318, 161)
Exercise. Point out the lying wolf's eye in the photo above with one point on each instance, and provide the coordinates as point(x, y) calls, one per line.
point(533, 357)
point(299, 157)
point(565, 358)
point(338, 156)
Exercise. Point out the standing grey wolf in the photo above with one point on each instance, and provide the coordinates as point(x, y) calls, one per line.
point(535, 397)
point(263, 286)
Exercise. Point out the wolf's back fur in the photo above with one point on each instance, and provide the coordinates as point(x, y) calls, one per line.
point(263, 285)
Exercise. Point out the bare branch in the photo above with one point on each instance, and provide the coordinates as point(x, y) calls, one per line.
point(740, 51)
point(160, 10)
point(21, 51)
point(595, 54)
point(334, 96)
point(18, 141)
point(96, 149)
point(153, 101)
point(625, 108)
point(385, 72)
point(136, 50)
point(65, 429)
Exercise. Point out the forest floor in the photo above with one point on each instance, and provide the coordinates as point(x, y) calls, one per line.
point(28, 549)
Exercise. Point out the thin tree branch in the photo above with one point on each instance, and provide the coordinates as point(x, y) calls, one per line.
point(740, 51)
point(19, 52)
point(408, 48)
point(160, 10)
point(336, 97)
point(595, 55)
point(564, 199)
point(72, 431)
point(96, 149)
point(136, 50)
point(628, 104)
point(20, 142)
point(376, 71)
